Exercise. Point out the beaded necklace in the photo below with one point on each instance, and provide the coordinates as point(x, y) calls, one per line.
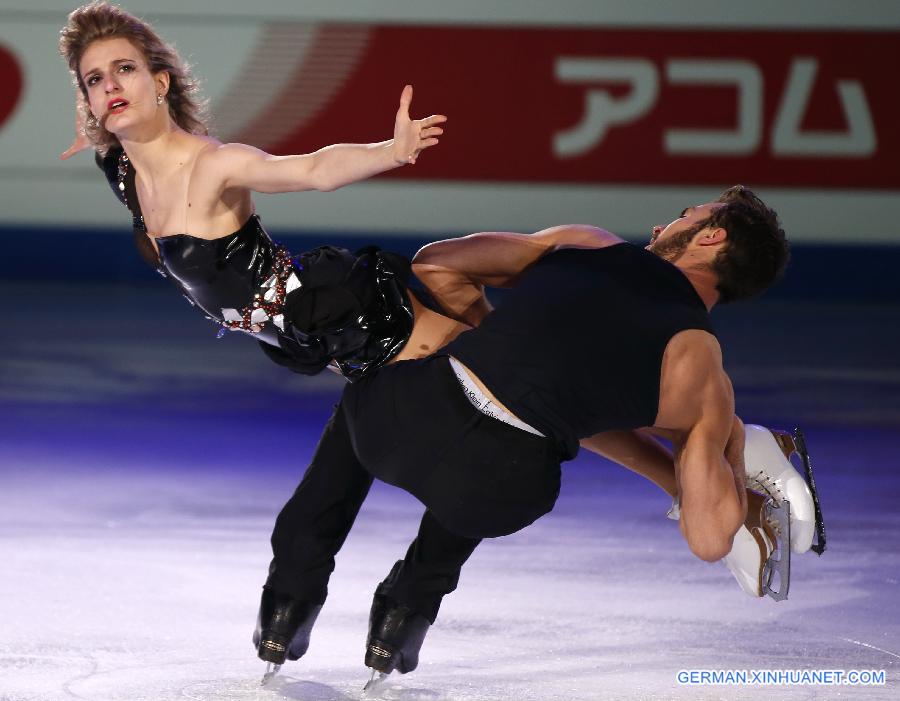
point(136, 213)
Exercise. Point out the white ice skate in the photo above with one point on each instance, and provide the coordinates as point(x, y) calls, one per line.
point(757, 561)
point(783, 517)
point(760, 559)
point(749, 554)
point(770, 472)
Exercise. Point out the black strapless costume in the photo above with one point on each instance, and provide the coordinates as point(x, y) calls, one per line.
point(323, 305)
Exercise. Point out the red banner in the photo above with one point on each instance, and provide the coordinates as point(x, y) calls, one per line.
point(10, 85)
point(799, 109)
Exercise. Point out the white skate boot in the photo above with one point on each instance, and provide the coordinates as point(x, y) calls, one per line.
point(746, 561)
point(782, 518)
point(757, 561)
point(760, 559)
point(770, 472)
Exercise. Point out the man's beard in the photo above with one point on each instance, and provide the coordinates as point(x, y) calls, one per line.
point(673, 247)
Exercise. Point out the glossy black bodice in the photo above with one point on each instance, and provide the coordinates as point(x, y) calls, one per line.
point(222, 273)
point(351, 309)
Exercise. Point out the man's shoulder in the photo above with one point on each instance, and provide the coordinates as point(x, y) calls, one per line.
point(696, 342)
point(692, 362)
point(694, 352)
point(693, 381)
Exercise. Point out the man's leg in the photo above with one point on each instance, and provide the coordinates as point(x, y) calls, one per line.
point(414, 427)
point(406, 603)
point(308, 533)
point(430, 569)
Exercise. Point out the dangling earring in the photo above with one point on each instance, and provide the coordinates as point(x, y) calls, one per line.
point(92, 121)
point(159, 99)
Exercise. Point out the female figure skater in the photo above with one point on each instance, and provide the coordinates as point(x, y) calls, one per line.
point(194, 221)
point(190, 198)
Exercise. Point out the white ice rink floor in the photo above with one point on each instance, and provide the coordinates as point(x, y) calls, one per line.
point(130, 584)
point(142, 465)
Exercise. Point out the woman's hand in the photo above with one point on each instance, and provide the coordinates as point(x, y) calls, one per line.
point(81, 141)
point(411, 137)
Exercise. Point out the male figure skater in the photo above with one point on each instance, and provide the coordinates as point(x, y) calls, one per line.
point(596, 335)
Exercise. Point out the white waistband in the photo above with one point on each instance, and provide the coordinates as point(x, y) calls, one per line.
point(483, 403)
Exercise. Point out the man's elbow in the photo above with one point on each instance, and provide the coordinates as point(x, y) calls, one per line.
point(428, 273)
point(711, 550)
point(709, 544)
point(429, 253)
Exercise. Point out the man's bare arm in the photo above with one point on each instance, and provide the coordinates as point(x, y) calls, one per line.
point(711, 509)
point(456, 271)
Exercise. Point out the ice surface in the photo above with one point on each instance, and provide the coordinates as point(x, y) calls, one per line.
point(132, 583)
point(141, 470)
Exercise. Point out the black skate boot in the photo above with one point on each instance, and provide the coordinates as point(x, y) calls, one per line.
point(283, 627)
point(396, 634)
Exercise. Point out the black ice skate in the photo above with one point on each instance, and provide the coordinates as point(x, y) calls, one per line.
point(396, 634)
point(283, 628)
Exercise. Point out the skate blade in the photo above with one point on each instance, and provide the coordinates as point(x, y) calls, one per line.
point(779, 562)
point(799, 441)
point(375, 682)
point(271, 671)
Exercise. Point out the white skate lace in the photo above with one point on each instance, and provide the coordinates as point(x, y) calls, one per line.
point(771, 488)
point(764, 483)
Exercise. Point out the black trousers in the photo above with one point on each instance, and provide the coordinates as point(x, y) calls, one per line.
point(410, 425)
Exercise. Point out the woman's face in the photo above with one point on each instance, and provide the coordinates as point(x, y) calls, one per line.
point(121, 91)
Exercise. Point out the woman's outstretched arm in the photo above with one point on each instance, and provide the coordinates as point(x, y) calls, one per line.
point(329, 168)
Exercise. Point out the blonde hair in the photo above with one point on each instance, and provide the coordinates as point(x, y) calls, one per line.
point(100, 20)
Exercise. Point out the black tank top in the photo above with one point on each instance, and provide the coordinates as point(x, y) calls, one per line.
point(576, 348)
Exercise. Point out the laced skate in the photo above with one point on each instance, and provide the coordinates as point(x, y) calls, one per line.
point(759, 559)
point(776, 572)
point(767, 459)
point(783, 517)
point(746, 561)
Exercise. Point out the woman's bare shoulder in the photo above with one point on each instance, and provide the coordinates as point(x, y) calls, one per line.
point(227, 158)
point(210, 163)
point(207, 146)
